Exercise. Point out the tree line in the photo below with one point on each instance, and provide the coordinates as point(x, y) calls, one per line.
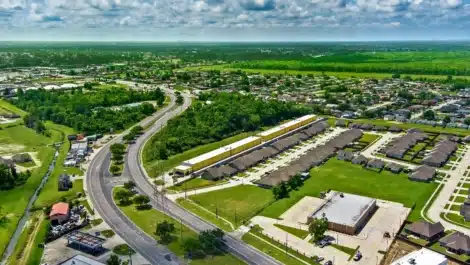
point(95, 111)
point(216, 116)
point(10, 178)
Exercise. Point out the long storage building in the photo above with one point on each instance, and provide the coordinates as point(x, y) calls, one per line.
point(286, 127)
point(216, 155)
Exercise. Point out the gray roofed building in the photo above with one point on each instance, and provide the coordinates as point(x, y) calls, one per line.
point(440, 153)
point(354, 125)
point(366, 127)
point(456, 242)
point(80, 260)
point(21, 158)
point(215, 173)
point(340, 123)
point(7, 162)
point(376, 163)
point(64, 182)
point(426, 230)
point(423, 173)
point(359, 160)
point(394, 129)
point(401, 145)
point(395, 168)
point(345, 155)
point(380, 128)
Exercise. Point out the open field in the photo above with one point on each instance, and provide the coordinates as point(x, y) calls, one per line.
point(237, 204)
point(153, 167)
point(196, 183)
point(15, 201)
point(346, 74)
point(147, 221)
point(11, 108)
point(209, 216)
point(346, 177)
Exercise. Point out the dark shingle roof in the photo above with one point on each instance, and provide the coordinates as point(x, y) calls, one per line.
point(457, 241)
point(426, 229)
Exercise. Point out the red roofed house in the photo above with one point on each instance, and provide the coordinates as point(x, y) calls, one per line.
point(59, 213)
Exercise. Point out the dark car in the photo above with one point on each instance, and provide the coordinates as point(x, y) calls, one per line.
point(329, 262)
point(357, 256)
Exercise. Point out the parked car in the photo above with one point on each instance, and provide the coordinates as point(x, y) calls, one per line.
point(319, 259)
point(329, 262)
point(357, 256)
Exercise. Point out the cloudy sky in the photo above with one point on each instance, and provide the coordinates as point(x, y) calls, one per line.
point(234, 20)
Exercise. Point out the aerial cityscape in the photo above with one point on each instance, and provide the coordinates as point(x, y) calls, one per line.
point(259, 132)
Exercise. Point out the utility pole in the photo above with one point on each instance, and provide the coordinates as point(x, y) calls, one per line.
point(286, 243)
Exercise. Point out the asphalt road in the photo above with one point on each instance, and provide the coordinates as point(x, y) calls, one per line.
point(136, 173)
point(100, 185)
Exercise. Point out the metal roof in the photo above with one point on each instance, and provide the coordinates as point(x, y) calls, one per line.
point(422, 257)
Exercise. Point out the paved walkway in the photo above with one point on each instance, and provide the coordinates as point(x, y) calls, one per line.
point(447, 191)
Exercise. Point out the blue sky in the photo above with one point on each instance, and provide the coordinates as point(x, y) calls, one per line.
point(234, 20)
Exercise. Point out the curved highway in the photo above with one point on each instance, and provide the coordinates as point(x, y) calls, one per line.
point(100, 186)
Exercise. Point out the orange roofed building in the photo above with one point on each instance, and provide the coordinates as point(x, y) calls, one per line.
point(59, 213)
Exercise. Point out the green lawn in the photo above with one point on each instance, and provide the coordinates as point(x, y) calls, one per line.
point(293, 231)
point(237, 204)
point(457, 219)
point(50, 193)
point(347, 250)
point(123, 250)
point(192, 207)
point(36, 252)
point(11, 108)
point(346, 177)
point(270, 250)
point(285, 258)
point(369, 138)
point(405, 126)
point(196, 183)
point(147, 221)
point(15, 201)
point(154, 167)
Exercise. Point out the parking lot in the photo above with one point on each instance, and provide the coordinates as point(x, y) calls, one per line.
point(388, 218)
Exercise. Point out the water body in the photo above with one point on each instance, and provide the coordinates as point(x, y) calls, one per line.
point(24, 219)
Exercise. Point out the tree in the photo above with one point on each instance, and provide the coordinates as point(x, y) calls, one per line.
point(123, 196)
point(113, 260)
point(3, 217)
point(212, 241)
point(280, 191)
point(295, 182)
point(467, 121)
point(193, 247)
point(142, 202)
point(114, 169)
point(446, 119)
point(179, 99)
point(164, 230)
point(129, 185)
point(318, 227)
point(429, 115)
point(117, 148)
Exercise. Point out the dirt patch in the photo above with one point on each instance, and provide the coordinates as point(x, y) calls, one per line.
point(11, 148)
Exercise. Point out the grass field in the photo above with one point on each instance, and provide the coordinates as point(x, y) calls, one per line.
point(229, 68)
point(153, 167)
point(369, 138)
point(147, 221)
point(14, 201)
point(236, 204)
point(50, 194)
point(194, 208)
point(196, 183)
point(346, 177)
point(11, 108)
point(293, 231)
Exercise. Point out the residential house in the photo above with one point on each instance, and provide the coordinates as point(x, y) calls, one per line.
point(394, 168)
point(456, 242)
point(423, 173)
point(359, 160)
point(60, 213)
point(376, 164)
point(465, 209)
point(426, 230)
point(345, 155)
